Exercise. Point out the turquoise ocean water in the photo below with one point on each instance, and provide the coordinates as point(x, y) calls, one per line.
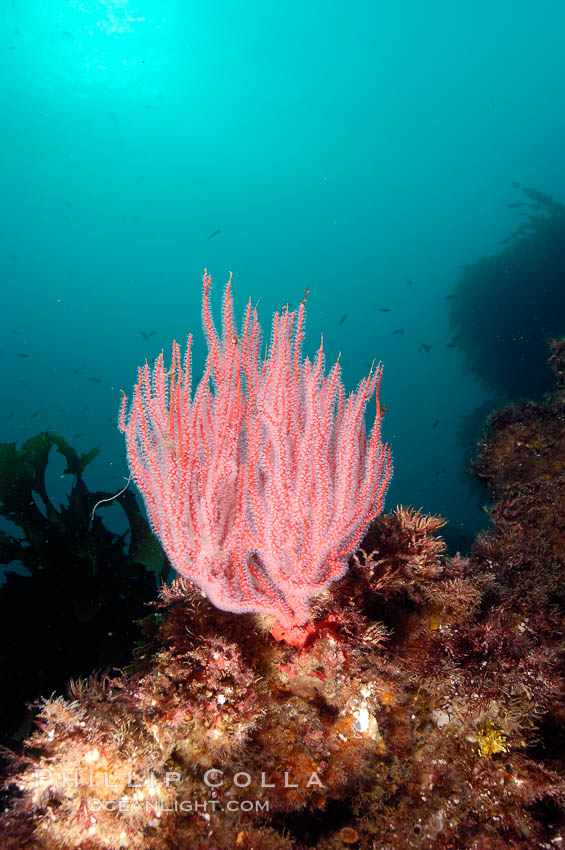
point(363, 150)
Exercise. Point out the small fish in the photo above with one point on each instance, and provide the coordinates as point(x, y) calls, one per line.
point(77, 371)
point(384, 310)
point(67, 33)
point(85, 408)
point(21, 381)
point(408, 281)
point(343, 318)
point(452, 344)
point(143, 334)
point(14, 331)
point(436, 423)
point(76, 436)
point(447, 297)
point(215, 233)
point(17, 31)
point(10, 414)
point(68, 204)
point(398, 332)
point(20, 354)
point(95, 380)
point(113, 116)
point(34, 415)
point(427, 348)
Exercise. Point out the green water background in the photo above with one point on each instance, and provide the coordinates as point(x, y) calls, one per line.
point(363, 150)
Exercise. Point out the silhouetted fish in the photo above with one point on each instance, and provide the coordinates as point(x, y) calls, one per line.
point(343, 318)
point(447, 297)
point(427, 348)
point(398, 332)
point(384, 310)
point(407, 279)
point(34, 415)
point(10, 414)
point(95, 380)
point(20, 354)
point(436, 423)
point(14, 331)
point(452, 344)
point(76, 436)
point(215, 233)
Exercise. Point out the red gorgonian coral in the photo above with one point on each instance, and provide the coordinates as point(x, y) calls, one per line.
point(261, 484)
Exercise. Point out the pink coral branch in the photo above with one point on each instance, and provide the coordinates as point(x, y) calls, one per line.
point(261, 485)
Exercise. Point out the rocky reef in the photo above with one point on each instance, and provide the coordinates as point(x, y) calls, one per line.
point(422, 706)
point(505, 308)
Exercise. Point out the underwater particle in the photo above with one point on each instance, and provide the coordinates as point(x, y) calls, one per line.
point(348, 835)
point(491, 739)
